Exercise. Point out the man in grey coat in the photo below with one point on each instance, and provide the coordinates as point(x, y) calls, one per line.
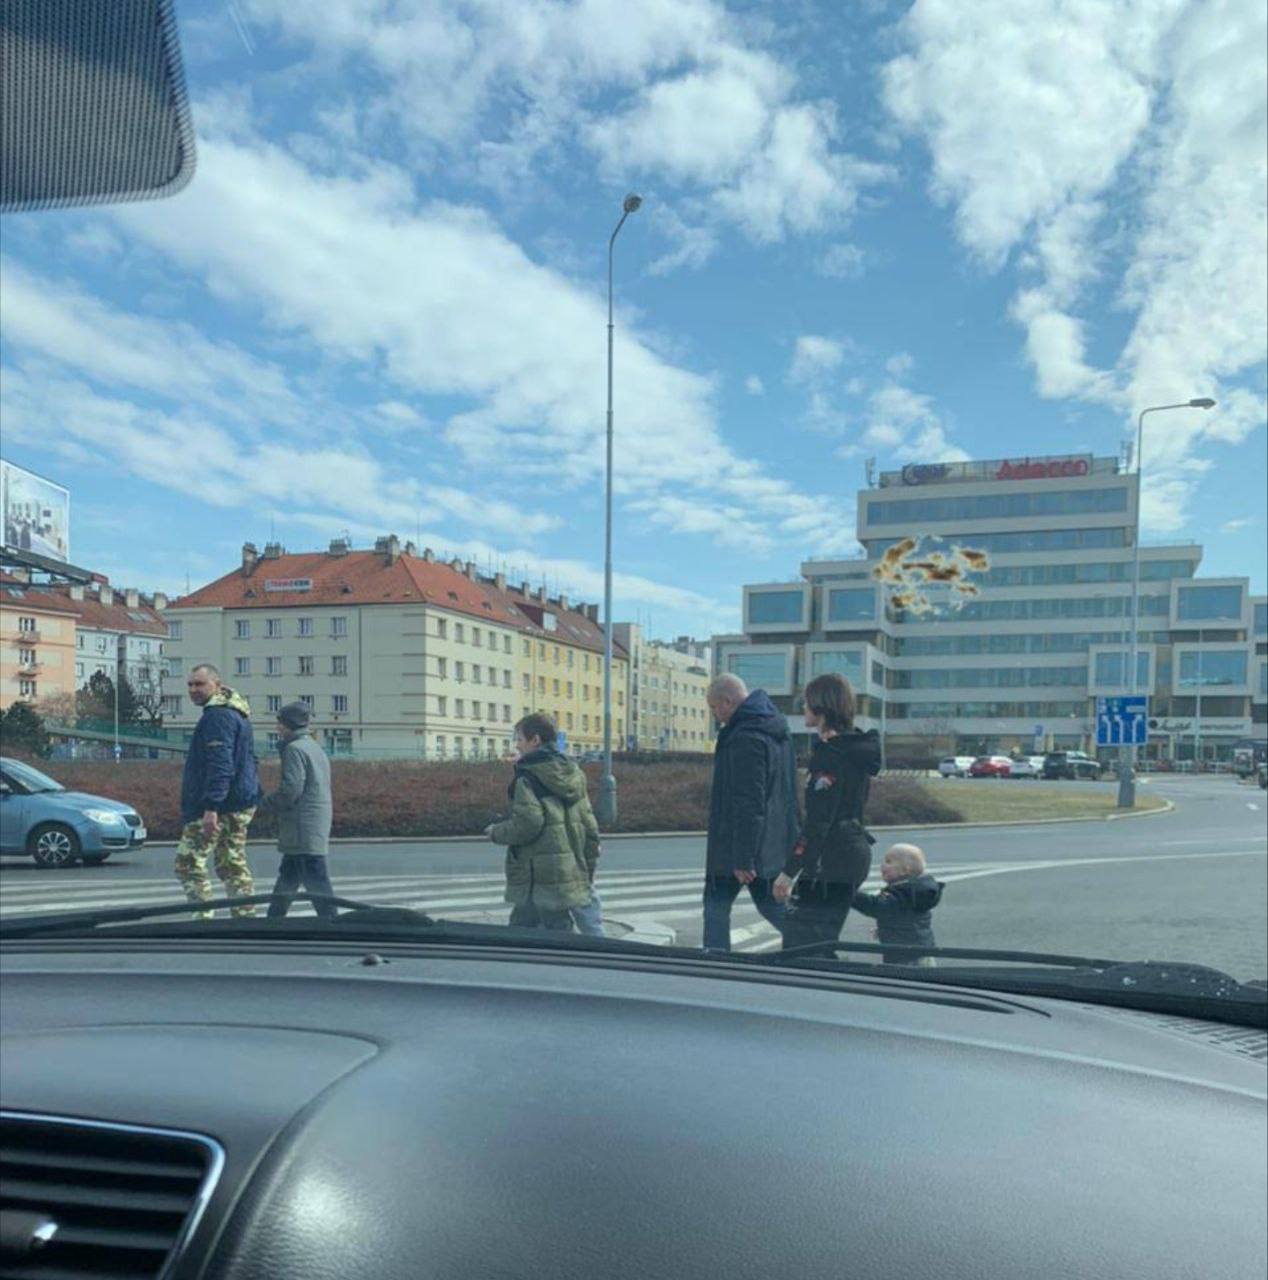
point(304, 810)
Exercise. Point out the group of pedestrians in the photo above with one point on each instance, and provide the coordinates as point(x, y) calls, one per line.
point(804, 873)
point(804, 867)
point(221, 794)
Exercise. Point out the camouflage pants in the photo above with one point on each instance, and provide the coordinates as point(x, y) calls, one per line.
point(229, 849)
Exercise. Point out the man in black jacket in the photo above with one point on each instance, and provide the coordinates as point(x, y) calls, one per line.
point(752, 806)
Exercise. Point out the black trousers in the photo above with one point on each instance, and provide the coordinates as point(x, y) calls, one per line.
point(308, 870)
point(816, 912)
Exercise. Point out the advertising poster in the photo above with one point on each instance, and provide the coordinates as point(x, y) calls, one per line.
point(35, 511)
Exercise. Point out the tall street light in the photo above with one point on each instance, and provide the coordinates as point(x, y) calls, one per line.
point(607, 787)
point(1127, 765)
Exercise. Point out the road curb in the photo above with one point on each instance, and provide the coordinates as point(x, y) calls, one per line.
point(337, 841)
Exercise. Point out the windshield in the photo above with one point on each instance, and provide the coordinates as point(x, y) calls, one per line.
point(724, 476)
point(28, 778)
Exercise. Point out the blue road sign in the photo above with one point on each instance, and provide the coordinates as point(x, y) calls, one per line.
point(1122, 722)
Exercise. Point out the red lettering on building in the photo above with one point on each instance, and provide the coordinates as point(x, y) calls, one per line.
point(1043, 470)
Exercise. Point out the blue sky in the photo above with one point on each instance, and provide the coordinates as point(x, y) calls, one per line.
point(875, 230)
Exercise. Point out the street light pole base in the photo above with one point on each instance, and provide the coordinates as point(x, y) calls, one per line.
point(605, 810)
point(1127, 788)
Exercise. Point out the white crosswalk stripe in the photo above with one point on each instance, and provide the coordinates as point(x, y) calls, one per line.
point(633, 898)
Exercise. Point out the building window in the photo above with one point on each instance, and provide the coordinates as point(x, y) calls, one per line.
point(857, 604)
point(339, 703)
point(493, 675)
point(308, 700)
point(568, 718)
point(1261, 619)
point(274, 701)
point(305, 626)
point(555, 688)
point(175, 630)
point(528, 683)
point(339, 664)
point(26, 688)
point(569, 688)
point(460, 671)
point(79, 640)
point(506, 714)
point(477, 637)
point(459, 749)
point(506, 644)
point(242, 629)
point(493, 711)
point(1199, 669)
point(442, 706)
point(242, 666)
point(571, 655)
point(506, 679)
point(1206, 604)
point(26, 657)
point(1011, 505)
point(528, 649)
point(541, 685)
point(759, 670)
point(442, 668)
point(306, 666)
point(1109, 669)
point(274, 740)
point(172, 704)
point(541, 652)
point(459, 632)
point(475, 673)
point(776, 606)
point(440, 746)
point(585, 724)
point(460, 707)
point(339, 626)
point(101, 644)
point(273, 628)
point(27, 624)
point(79, 671)
point(442, 633)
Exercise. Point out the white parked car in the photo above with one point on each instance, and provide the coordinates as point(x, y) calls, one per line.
point(1027, 767)
point(955, 766)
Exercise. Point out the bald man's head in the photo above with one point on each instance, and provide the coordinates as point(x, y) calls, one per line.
point(726, 694)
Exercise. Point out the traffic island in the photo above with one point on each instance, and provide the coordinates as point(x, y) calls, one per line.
point(1020, 800)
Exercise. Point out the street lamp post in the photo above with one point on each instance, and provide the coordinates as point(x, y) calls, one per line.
point(607, 787)
point(1127, 760)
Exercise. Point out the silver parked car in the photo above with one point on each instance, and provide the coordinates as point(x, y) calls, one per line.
point(1027, 767)
point(56, 827)
point(955, 766)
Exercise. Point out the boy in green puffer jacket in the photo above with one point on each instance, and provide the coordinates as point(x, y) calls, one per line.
point(551, 834)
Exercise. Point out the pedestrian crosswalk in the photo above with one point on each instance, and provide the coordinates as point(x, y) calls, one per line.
point(664, 904)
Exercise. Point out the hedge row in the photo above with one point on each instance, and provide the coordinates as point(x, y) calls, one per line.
point(400, 798)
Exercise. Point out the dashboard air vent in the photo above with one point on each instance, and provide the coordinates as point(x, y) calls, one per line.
point(89, 1200)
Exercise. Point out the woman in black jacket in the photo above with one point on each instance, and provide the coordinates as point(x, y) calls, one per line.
point(833, 855)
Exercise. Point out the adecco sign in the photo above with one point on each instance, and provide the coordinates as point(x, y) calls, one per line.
point(1045, 469)
point(288, 584)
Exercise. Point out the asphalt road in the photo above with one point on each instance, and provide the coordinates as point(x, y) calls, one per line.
point(1190, 885)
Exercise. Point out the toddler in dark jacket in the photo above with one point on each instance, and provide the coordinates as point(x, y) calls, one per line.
point(903, 910)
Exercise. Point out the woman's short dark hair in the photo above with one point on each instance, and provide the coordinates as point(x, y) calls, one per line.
point(538, 726)
point(830, 697)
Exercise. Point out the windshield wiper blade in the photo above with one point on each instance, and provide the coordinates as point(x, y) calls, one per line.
point(73, 921)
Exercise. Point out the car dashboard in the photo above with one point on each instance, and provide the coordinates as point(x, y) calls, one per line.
point(265, 1112)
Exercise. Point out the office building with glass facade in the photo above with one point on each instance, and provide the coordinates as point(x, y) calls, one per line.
point(991, 606)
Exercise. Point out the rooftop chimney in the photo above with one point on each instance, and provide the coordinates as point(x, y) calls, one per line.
point(429, 555)
point(499, 581)
point(410, 549)
point(250, 558)
point(132, 598)
point(563, 602)
point(592, 612)
point(77, 591)
point(470, 570)
point(274, 551)
point(160, 600)
point(393, 549)
point(526, 591)
point(339, 547)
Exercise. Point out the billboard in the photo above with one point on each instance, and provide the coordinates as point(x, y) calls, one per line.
point(34, 513)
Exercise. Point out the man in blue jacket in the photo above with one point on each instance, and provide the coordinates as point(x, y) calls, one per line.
point(219, 793)
point(752, 806)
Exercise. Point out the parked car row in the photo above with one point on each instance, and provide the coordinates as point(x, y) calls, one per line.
point(1071, 765)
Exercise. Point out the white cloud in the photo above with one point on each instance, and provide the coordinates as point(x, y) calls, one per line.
point(696, 103)
point(1237, 524)
point(900, 364)
point(754, 385)
point(1047, 117)
point(51, 319)
point(693, 244)
point(842, 262)
point(475, 318)
point(814, 356)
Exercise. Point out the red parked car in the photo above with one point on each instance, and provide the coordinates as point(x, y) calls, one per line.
point(991, 767)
